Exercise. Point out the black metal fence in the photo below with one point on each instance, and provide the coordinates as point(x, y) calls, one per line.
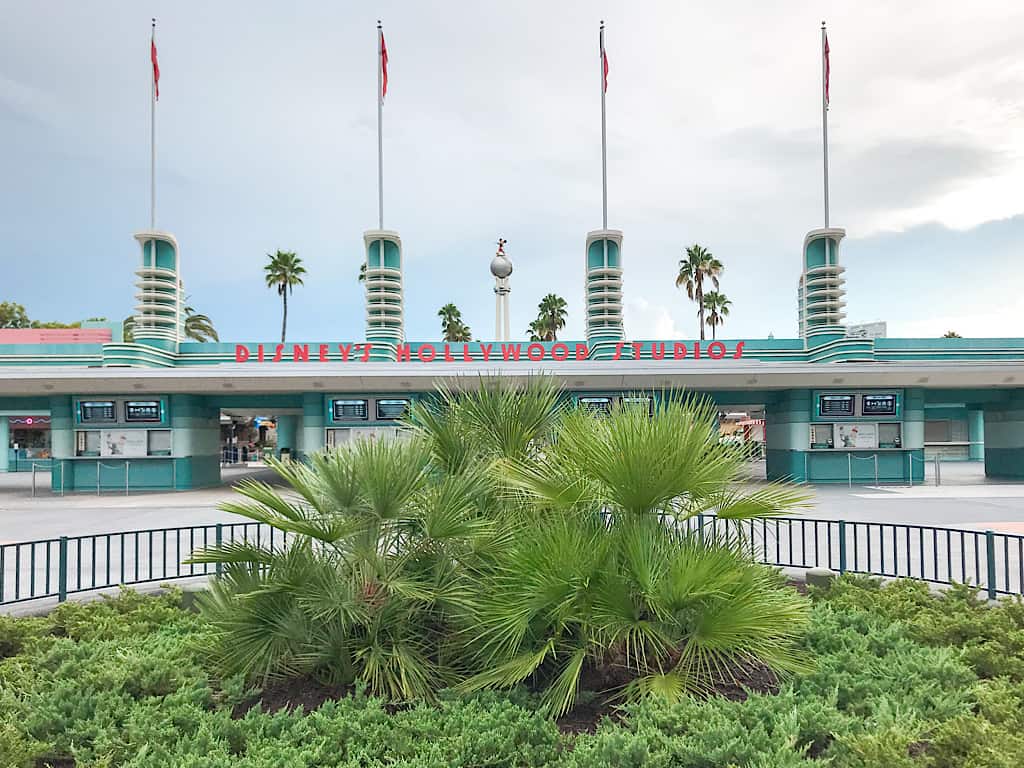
point(58, 567)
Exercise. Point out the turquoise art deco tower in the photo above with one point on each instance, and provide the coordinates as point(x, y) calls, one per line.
point(604, 291)
point(821, 295)
point(385, 321)
point(158, 313)
point(603, 255)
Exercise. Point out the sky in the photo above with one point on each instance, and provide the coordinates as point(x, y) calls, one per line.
point(266, 140)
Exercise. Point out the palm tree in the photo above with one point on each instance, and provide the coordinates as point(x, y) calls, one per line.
point(553, 309)
point(951, 335)
point(128, 329)
point(284, 271)
point(199, 327)
point(452, 327)
point(717, 305)
point(538, 330)
point(698, 265)
point(362, 272)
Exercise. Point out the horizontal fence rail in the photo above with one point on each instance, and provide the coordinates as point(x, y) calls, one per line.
point(59, 567)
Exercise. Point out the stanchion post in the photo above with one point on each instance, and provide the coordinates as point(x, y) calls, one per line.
point(876, 470)
point(33, 480)
point(126, 477)
point(842, 546)
point(849, 469)
point(62, 570)
point(97, 478)
point(938, 471)
point(219, 540)
point(990, 557)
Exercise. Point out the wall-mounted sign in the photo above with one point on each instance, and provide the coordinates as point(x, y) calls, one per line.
point(596, 404)
point(857, 435)
point(479, 352)
point(142, 410)
point(349, 409)
point(878, 405)
point(124, 442)
point(836, 405)
point(97, 411)
point(392, 409)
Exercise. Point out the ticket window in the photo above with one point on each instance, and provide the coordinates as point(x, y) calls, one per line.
point(337, 437)
point(890, 435)
point(823, 436)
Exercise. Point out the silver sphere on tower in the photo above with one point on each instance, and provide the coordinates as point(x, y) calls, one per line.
point(501, 268)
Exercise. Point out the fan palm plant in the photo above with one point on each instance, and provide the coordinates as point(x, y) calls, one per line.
point(363, 590)
point(611, 580)
point(698, 266)
point(717, 304)
point(284, 271)
point(509, 540)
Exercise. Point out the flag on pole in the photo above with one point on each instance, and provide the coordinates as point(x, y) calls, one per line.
point(604, 60)
point(827, 72)
point(383, 67)
point(156, 67)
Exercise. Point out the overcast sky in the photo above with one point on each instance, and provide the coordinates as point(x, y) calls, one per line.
point(266, 140)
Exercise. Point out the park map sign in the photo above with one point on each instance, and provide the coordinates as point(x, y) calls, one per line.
point(534, 352)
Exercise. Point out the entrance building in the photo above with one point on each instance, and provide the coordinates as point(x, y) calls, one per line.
point(147, 413)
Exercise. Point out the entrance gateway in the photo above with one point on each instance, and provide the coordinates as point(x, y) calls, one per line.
point(146, 414)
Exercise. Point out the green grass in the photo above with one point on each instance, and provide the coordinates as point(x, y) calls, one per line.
point(900, 678)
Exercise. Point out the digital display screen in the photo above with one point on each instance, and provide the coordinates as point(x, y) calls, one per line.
point(878, 405)
point(835, 405)
point(646, 403)
point(97, 411)
point(349, 409)
point(596, 404)
point(142, 410)
point(392, 409)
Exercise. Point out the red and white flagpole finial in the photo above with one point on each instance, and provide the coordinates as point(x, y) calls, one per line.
point(604, 134)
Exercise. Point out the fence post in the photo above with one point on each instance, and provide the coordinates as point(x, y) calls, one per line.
point(842, 546)
point(990, 557)
point(219, 540)
point(62, 570)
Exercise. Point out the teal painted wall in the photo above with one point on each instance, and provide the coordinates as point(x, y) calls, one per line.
point(287, 427)
point(1004, 438)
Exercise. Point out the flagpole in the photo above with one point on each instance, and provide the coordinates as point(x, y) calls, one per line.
point(152, 135)
point(824, 115)
point(604, 144)
point(380, 120)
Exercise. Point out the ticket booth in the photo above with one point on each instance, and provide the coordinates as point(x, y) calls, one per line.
point(365, 417)
point(156, 442)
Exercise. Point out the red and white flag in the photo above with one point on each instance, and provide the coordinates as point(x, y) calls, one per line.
point(827, 70)
point(604, 61)
point(383, 67)
point(156, 67)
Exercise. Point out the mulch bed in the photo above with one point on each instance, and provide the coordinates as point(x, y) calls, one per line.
point(308, 694)
point(304, 693)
